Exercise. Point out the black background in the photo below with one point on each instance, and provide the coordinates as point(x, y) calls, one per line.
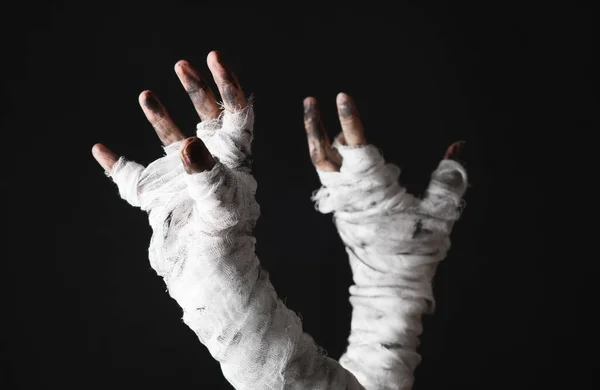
point(95, 315)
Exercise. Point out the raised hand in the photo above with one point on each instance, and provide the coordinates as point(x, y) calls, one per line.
point(201, 206)
point(205, 103)
point(394, 241)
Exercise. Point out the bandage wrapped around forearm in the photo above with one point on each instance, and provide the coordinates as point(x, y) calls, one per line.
point(394, 242)
point(203, 247)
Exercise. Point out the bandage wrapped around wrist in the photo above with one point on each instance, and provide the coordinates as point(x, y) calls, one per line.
point(203, 247)
point(394, 242)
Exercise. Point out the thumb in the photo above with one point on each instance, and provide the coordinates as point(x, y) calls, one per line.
point(448, 184)
point(124, 173)
point(195, 156)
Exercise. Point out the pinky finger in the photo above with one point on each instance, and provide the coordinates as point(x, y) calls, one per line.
point(105, 157)
point(456, 152)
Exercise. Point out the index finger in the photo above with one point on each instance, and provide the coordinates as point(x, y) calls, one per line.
point(160, 119)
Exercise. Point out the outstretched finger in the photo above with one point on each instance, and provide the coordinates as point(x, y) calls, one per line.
point(201, 94)
point(352, 128)
point(323, 156)
point(158, 116)
point(227, 82)
point(443, 196)
point(105, 157)
point(456, 152)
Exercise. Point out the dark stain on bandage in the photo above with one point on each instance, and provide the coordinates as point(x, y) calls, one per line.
point(391, 345)
point(417, 252)
point(152, 103)
point(452, 178)
point(236, 339)
point(201, 309)
point(246, 162)
point(168, 223)
point(363, 244)
point(373, 203)
point(419, 230)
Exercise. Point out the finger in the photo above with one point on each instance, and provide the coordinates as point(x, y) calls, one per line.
point(443, 196)
point(354, 134)
point(105, 157)
point(158, 116)
point(201, 94)
point(195, 156)
point(229, 87)
point(457, 152)
point(449, 179)
point(321, 153)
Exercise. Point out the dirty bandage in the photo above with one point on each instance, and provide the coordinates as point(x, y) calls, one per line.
point(394, 242)
point(203, 247)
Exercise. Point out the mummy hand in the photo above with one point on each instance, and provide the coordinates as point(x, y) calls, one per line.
point(186, 184)
point(201, 206)
point(205, 103)
point(393, 239)
point(371, 209)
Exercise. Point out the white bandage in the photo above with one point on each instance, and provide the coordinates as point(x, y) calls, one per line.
point(394, 242)
point(202, 245)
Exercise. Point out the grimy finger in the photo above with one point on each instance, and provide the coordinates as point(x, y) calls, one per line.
point(229, 87)
point(201, 94)
point(105, 157)
point(321, 153)
point(354, 133)
point(456, 152)
point(195, 156)
point(158, 116)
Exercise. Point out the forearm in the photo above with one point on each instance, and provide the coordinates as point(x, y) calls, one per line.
point(235, 312)
point(205, 253)
point(386, 324)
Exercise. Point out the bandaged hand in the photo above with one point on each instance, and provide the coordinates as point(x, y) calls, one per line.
point(201, 207)
point(393, 239)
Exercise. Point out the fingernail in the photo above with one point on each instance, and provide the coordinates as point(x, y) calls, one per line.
point(194, 151)
point(152, 102)
point(196, 157)
point(342, 98)
point(457, 152)
point(308, 105)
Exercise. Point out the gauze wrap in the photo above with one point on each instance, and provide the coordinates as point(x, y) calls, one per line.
point(203, 247)
point(394, 242)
